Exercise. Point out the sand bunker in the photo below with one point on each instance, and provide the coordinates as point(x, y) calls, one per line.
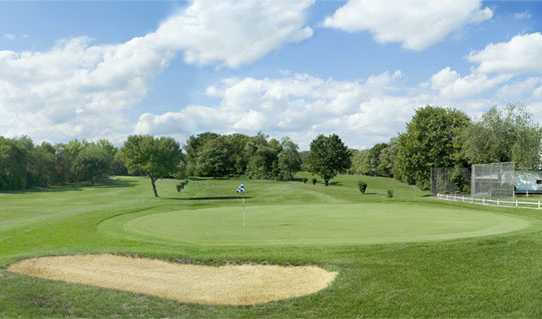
point(225, 285)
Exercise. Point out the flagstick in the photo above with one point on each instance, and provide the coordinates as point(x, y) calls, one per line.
point(244, 214)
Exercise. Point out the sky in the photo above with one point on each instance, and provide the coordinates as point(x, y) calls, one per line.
point(297, 68)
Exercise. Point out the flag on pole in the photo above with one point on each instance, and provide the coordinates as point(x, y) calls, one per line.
point(241, 189)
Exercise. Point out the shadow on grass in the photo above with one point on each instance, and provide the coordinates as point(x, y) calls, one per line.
point(209, 198)
point(103, 184)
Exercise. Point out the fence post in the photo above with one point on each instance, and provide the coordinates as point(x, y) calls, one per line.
point(517, 203)
point(498, 202)
point(538, 204)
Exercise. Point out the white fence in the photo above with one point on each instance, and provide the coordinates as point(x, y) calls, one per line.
point(491, 202)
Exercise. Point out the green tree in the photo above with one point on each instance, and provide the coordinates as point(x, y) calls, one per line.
point(13, 165)
point(507, 135)
point(430, 142)
point(214, 158)
point(192, 148)
point(329, 157)
point(263, 156)
point(360, 162)
point(288, 160)
point(386, 159)
point(93, 162)
point(154, 157)
point(373, 158)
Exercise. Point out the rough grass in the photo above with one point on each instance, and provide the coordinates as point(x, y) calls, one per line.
point(494, 276)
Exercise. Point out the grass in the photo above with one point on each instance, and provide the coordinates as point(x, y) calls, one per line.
point(492, 276)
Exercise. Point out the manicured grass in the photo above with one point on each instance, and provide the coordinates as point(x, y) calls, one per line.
point(335, 224)
point(493, 276)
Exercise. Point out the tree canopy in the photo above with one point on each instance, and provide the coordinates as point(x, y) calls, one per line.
point(328, 157)
point(155, 157)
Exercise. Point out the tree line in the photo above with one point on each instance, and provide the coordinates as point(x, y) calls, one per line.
point(438, 137)
point(435, 137)
point(24, 165)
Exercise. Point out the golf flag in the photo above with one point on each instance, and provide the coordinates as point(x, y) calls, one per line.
point(241, 189)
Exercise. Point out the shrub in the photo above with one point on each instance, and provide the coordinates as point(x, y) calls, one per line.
point(305, 180)
point(390, 193)
point(362, 186)
point(314, 181)
point(181, 185)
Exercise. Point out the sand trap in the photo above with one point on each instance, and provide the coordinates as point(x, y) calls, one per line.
point(225, 285)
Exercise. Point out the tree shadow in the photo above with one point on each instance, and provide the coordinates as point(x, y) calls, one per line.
point(209, 197)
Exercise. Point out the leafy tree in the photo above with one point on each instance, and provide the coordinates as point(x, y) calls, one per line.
point(41, 166)
point(193, 147)
point(373, 158)
point(386, 159)
point(13, 165)
point(289, 161)
point(429, 142)
point(236, 152)
point(329, 157)
point(93, 162)
point(155, 157)
point(214, 158)
point(360, 162)
point(503, 136)
point(262, 156)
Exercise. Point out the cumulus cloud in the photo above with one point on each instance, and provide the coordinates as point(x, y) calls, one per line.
point(363, 112)
point(452, 85)
point(297, 105)
point(522, 54)
point(416, 24)
point(82, 89)
point(235, 32)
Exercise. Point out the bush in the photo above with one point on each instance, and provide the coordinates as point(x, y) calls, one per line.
point(314, 181)
point(362, 186)
point(305, 180)
point(181, 185)
point(390, 193)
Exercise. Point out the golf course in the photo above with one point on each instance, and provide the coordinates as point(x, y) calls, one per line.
point(408, 255)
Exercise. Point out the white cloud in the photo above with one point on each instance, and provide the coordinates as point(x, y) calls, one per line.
point(235, 32)
point(452, 85)
point(416, 24)
point(81, 89)
point(522, 54)
point(297, 105)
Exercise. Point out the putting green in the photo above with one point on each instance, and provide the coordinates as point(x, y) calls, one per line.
point(322, 224)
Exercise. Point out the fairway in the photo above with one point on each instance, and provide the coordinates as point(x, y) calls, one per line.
point(369, 223)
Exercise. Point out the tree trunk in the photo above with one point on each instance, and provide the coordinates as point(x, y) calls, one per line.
point(153, 182)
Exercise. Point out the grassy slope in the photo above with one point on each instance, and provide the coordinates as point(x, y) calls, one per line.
point(478, 277)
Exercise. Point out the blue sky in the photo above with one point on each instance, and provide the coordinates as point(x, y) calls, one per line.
point(73, 69)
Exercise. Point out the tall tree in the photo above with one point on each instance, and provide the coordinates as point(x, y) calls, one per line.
point(430, 142)
point(154, 157)
point(328, 157)
point(360, 162)
point(214, 158)
point(503, 135)
point(193, 147)
point(289, 161)
point(93, 162)
point(373, 158)
point(262, 156)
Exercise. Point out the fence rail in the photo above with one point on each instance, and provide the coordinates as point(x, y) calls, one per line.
point(491, 202)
